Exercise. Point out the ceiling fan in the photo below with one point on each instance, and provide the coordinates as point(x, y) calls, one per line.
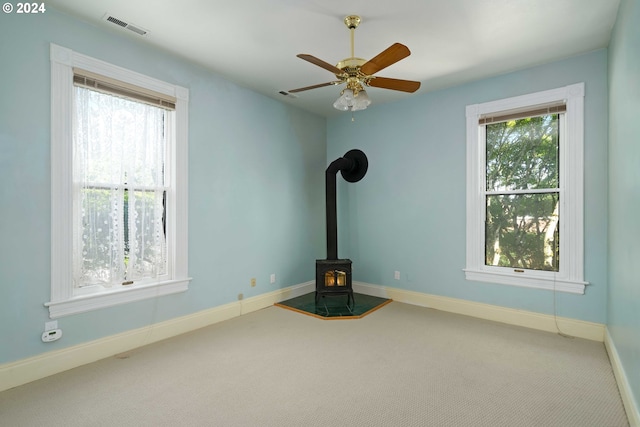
point(358, 73)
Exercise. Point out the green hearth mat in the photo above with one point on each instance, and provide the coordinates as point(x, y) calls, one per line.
point(334, 306)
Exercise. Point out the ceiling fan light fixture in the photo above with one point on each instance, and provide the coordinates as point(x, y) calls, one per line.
point(361, 101)
point(340, 105)
point(348, 101)
point(345, 101)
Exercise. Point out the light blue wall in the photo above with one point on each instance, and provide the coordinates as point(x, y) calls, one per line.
point(257, 187)
point(408, 213)
point(623, 319)
point(256, 195)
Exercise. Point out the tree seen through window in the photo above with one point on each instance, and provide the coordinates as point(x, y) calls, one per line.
point(522, 193)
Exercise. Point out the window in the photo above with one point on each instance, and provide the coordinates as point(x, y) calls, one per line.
point(525, 190)
point(119, 185)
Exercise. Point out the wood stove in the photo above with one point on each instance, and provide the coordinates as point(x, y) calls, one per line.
point(333, 275)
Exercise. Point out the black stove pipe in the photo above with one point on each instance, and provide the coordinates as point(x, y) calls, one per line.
point(353, 167)
point(330, 189)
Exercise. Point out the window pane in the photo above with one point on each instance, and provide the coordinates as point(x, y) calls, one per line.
point(101, 260)
point(523, 154)
point(119, 141)
point(522, 231)
point(147, 242)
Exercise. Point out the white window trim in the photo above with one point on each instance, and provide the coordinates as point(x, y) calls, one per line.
point(65, 300)
point(570, 278)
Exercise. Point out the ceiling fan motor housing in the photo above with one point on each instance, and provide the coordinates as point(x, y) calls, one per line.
point(351, 66)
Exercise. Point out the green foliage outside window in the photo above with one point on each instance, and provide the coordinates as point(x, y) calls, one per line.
point(522, 180)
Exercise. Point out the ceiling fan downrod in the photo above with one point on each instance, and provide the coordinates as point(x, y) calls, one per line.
point(352, 22)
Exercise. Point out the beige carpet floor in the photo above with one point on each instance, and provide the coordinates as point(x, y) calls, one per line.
point(399, 366)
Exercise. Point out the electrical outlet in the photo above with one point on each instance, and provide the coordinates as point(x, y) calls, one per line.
point(240, 296)
point(396, 275)
point(273, 278)
point(253, 282)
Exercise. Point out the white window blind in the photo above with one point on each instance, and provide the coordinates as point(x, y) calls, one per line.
point(536, 111)
point(87, 79)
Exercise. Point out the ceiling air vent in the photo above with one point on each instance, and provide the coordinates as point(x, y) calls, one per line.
point(119, 22)
point(287, 94)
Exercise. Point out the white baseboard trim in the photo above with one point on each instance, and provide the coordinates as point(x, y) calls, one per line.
point(265, 300)
point(543, 322)
point(628, 399)
point(43, 365)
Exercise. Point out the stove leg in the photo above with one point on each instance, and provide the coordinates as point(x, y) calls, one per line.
point(351, 298)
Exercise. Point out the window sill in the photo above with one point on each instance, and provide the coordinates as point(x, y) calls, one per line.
point(518, 279)
point(110, 298)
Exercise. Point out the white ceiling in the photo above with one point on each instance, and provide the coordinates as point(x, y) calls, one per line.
point(254, 42)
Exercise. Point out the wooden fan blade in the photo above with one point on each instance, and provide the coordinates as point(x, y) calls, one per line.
point(313, 87)
point(394, 84)
point(321, 63)
point(389, 56)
